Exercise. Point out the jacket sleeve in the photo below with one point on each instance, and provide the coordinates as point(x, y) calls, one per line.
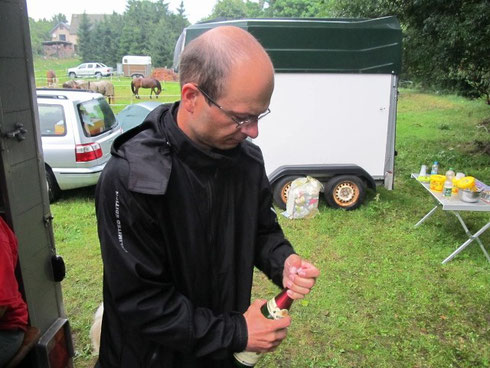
point(272, 246)
point(136, 280)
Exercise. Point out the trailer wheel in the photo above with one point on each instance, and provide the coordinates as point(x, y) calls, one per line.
point(280, 191)
point(345, 191)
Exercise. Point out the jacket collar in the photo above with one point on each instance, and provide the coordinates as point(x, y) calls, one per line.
point(190, 152)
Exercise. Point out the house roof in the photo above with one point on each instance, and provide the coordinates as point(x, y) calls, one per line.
point(77, 18)
point(59, 25)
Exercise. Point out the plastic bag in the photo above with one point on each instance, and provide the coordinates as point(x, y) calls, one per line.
point(303, 198)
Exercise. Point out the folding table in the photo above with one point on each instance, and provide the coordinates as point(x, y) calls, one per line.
point(455, 205)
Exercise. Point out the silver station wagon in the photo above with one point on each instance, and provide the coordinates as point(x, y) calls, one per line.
point(77, 131)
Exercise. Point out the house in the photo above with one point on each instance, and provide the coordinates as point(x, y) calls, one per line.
point(64, 37)
point(75, 24)
point(60, 45)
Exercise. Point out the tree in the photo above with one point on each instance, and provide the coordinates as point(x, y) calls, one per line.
point(58, 18)
point(39, 32)
point(85, 44)
point(230, 9)
point(446, 43)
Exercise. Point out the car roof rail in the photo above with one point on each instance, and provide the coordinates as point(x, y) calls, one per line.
point(57, 97)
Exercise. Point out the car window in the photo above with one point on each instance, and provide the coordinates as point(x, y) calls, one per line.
point(90, 66)
point(83, 66)
point(96, 117)
point(52, 120)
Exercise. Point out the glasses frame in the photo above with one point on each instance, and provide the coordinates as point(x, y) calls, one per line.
point(238, 122)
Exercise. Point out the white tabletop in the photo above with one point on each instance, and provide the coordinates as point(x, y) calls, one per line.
point(454, 203)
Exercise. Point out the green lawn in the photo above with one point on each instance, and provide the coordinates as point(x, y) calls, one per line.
point(383, 298)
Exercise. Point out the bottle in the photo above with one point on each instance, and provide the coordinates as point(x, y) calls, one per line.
point(450, 174)
point(447, 191)
point(435, 168)
point(275, 308)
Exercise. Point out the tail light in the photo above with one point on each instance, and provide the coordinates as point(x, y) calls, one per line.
point(87, 152)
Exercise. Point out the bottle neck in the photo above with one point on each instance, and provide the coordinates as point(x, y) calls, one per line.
point(283, 300)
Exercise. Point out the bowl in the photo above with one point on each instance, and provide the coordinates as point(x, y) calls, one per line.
point(467, 195)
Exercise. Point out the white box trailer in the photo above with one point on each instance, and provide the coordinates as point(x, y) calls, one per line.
point(334, 103)
point(136, 66)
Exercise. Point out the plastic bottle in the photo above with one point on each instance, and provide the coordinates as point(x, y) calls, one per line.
point(447, 191)
point(275, 308)
point(450, 174)
point(435, 168)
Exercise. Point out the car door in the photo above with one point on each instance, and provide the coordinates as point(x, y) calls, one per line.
point(90, 70)
point(82, 70)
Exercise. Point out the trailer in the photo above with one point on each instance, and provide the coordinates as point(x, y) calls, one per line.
point(334, 103)
point(136, 66)
point(24, 203)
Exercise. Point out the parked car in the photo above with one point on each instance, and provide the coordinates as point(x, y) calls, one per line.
point(90, 70)
point(77, 131)
point(133, 115)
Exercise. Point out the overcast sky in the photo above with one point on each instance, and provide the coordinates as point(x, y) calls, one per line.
point(38, 9)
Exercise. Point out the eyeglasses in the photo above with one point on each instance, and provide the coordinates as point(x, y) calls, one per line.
point(239, 122)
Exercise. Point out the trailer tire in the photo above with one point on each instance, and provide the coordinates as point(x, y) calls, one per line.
point(345, 191)
point(280, 191)
point(54, 191)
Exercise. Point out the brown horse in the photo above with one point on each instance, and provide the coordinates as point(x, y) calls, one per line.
point(51, 78)
point(152, 83)
point(71, 84)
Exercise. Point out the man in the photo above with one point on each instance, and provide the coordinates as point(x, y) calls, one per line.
point(184, 214)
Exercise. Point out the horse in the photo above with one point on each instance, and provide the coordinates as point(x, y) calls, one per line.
point(104, 87)
point(71, 84)
point(51, 78)
point(152, 83)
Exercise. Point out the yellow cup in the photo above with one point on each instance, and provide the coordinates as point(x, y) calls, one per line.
point(437, 182)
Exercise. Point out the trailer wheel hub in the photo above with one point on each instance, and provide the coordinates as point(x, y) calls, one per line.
point(346, 193)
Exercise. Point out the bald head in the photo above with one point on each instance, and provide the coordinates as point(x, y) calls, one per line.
point(210, 58)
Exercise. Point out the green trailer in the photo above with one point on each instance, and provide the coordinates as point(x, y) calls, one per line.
point(334, 103)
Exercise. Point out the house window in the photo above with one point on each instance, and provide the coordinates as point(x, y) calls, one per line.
point(62, 37)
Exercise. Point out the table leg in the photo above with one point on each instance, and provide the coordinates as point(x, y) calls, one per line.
point(470, 239)
point(426, 216)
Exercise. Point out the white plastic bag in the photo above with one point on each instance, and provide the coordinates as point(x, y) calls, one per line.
point(303, 198)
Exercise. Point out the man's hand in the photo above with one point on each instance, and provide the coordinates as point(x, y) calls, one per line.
point(264, 334)
point(298, 276)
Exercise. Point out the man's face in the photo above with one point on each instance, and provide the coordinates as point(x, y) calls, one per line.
point(247, 93)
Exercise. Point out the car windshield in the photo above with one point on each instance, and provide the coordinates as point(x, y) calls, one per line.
point(52, 120)
point(96, 117)
point(132, 116)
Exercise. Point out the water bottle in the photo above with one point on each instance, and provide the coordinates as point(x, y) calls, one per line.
point(450, 174)
point(435, 168)
point(447, 191)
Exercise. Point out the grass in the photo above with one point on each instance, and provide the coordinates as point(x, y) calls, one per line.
point(383, 298)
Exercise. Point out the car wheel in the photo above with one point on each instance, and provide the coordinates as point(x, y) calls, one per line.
point(54, 191)
point(72, 75)
point(98, 75)
point(280, 191)
point(345, 191)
